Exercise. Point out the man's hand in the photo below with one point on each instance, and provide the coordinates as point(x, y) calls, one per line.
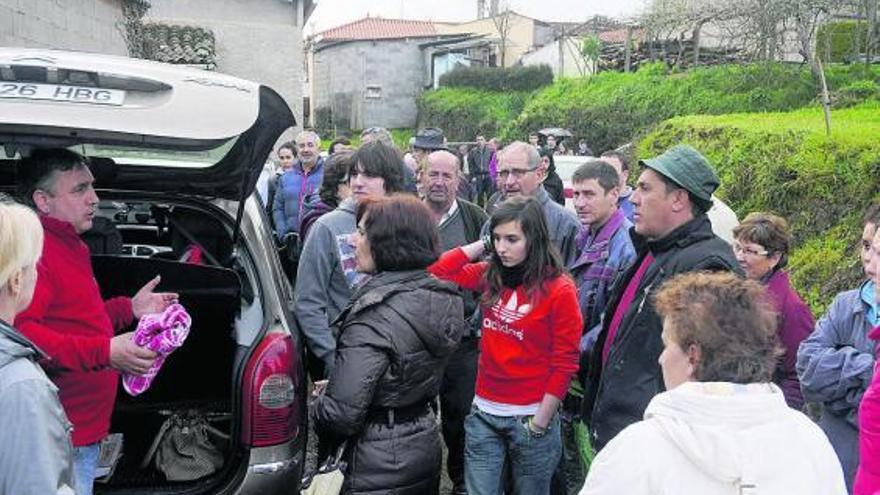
point(127, 356)
point(146, 301)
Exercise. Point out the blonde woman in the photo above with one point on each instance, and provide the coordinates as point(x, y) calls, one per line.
point(31, 417)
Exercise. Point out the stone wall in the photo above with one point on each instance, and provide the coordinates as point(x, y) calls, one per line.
point(370, 83)
point(254, 39)
point(82, 25)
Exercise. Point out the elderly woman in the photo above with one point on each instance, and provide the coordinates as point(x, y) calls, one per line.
point(762, 243)
point(721, 428)
point(395, 337)
point(37, 455)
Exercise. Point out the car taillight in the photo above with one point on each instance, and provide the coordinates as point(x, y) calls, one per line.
point(269, 393)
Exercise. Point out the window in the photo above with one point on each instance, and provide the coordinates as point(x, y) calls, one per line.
point(373, 92)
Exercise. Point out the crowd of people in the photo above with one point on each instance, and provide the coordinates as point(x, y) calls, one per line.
point(448, 297)
point(626, 328)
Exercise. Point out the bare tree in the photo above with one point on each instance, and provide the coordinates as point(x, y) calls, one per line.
point(502, 25)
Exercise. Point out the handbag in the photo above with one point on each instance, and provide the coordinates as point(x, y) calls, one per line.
point(187, 447)
point(329, 477)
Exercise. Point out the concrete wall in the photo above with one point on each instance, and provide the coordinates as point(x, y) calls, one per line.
point(254, 39)
point(370, 83)
point(82, 25)
point(571, 62)
point(520, 36)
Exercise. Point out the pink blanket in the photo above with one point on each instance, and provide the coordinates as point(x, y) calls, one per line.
point(162, 333)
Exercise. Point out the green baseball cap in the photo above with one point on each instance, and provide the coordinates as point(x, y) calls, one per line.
point(688, 168)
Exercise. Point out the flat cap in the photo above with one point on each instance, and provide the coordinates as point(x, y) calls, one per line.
point(688, 168)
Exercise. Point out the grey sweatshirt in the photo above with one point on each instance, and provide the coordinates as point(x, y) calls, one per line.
point(36, 455)
point(326, 278)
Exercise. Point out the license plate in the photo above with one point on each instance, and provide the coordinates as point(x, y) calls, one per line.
point(60, 92)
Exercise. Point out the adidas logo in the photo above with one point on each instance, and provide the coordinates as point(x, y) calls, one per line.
point(511, 311)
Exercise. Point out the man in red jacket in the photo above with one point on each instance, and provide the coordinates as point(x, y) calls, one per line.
point(67, 319)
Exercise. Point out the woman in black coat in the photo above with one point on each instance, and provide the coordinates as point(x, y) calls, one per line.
point(394, 340)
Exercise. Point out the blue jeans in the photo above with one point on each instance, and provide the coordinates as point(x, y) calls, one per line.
point(85, 462)
point(489, 440)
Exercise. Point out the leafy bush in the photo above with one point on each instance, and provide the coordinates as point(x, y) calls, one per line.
point(837, 41)
point(499, 79)
point(784, 162)
point(463, 113)
point(614, 108)
point(855, 93)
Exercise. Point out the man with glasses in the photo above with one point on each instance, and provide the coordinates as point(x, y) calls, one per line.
point(521, 173)
point(459, 223)
point(672, 235)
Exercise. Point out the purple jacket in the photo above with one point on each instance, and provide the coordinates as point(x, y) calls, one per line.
point(795, 325)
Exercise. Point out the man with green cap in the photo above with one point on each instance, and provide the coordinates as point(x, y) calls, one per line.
point(672, 235)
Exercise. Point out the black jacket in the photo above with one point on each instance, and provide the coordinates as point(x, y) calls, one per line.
point(618, 393)
point(395, 338)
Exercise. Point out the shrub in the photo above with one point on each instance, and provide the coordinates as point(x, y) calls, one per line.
point(499, 79)
point(613, 108)
point(855, 93)
point(784, 162)
point(837, 41)
point(463, 113)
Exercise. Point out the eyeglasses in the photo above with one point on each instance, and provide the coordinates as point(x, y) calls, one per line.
point(738, 248)
point(517, 173)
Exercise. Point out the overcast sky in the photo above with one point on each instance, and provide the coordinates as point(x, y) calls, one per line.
point(332, 13)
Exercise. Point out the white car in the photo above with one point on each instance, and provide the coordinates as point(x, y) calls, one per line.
point(723, 218)
point(176, 153)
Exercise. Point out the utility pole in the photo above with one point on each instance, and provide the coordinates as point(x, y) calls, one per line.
point(481, 9)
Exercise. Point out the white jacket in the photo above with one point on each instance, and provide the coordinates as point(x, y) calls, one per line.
point(718, 439)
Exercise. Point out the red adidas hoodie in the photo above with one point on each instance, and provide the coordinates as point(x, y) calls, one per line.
point(70, 323)
point(529, 347)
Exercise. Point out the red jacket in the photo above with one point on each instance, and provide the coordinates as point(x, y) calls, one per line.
point(529, 347)
point(868, 476)
point(70, 323)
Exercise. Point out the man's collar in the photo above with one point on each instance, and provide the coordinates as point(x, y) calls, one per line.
point(449, 213)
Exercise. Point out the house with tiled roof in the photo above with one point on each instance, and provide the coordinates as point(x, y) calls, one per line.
point(260, 40)
point(369, 72)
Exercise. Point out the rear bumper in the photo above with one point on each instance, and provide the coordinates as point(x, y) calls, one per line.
point(274, 470)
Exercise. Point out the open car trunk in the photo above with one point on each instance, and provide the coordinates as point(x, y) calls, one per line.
point(198, 378)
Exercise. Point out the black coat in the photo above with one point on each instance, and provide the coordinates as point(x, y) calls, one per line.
point(395, 338)
point(618, 393)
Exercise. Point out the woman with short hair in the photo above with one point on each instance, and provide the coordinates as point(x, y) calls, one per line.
point(722, 427)
point(528, 349)
point(36, 456)
point(762, 245)
point(395, 337)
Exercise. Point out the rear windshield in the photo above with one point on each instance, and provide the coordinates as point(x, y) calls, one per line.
point(153, 157)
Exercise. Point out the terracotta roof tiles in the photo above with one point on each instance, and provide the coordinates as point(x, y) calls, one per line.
point(375, 28)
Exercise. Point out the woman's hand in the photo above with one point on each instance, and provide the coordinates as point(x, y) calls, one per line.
point(549, 406)
point(474, 250)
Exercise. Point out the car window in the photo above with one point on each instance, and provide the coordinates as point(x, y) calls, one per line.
point(566, 166)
